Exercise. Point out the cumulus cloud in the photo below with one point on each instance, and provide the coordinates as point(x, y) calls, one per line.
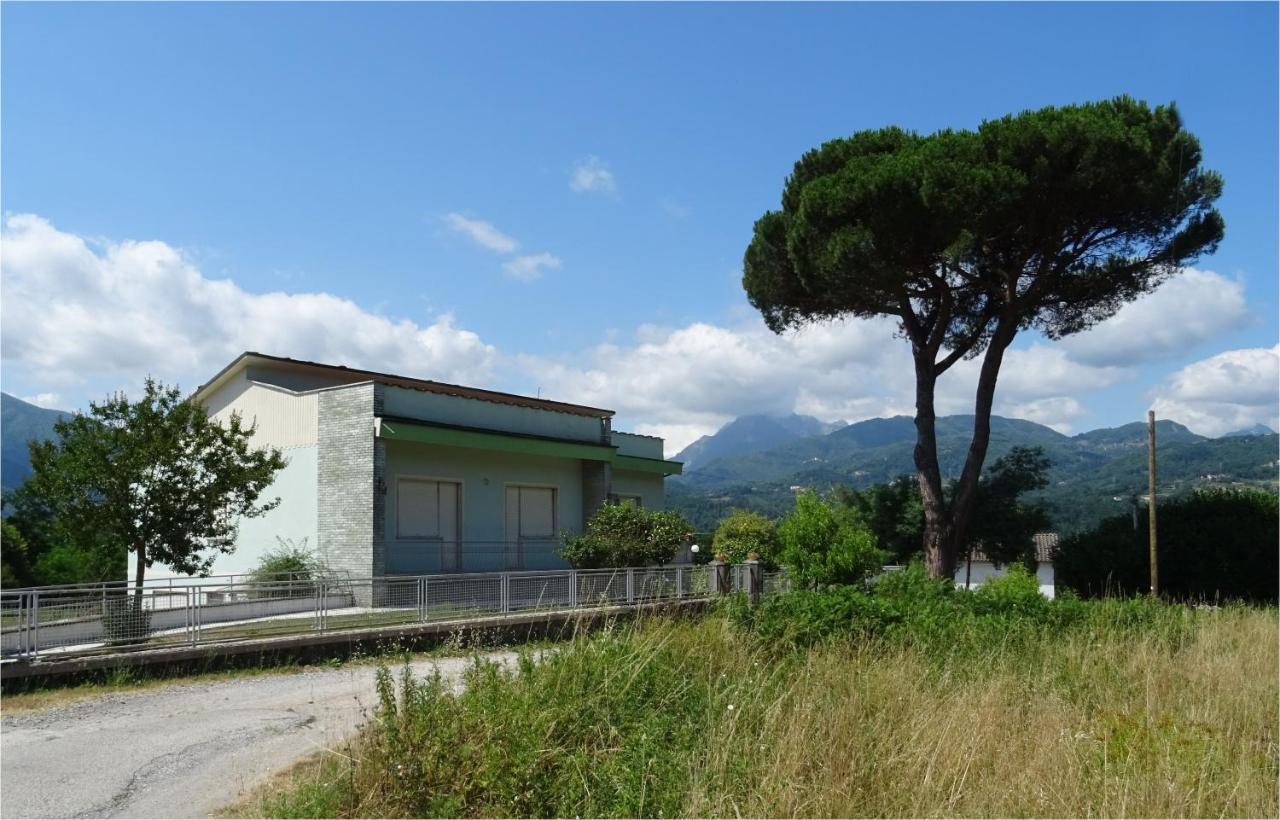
point(682, 383)
point(1229, 391)
point(482, 233)
point(591, 175)
point(1189, 309)
point(529, 268)
point(80, 315)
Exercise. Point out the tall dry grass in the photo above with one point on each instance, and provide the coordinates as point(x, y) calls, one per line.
point(698, 718)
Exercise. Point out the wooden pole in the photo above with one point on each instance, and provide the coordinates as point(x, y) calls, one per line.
point(1151, 503)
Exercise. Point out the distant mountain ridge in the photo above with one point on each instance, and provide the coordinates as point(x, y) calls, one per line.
point(21, 422)
point(1090, 470)
point(1252, 430)
point(752, 433)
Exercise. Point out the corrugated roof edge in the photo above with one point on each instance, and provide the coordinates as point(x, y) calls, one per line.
point(425, 385)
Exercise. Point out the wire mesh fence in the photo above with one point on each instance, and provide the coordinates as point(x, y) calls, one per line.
point(58, 622)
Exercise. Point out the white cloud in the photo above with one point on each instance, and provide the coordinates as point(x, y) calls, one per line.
point(1186, 311)
point(50, 401)
point(529, 268)
point(482, 233)
point(1234, 389)
point(78, 316)
point(591, 175)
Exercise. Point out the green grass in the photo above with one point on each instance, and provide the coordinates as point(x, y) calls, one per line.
point(1132, 710)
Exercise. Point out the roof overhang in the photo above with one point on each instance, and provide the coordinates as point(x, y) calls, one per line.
point(445, 435)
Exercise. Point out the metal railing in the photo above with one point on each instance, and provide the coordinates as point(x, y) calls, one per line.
point(58, 622)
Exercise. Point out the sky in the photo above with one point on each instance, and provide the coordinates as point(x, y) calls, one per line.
point(555, 199)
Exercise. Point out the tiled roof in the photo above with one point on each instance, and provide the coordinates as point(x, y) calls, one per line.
point(1046, 543)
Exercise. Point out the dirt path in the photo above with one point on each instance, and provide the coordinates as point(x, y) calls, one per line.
point(184, 750)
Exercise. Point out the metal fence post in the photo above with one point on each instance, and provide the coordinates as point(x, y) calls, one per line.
point(679, 582)
point(502, 591)
point(573, 589)
point(35, 623)
point(631, 585)
point(422, 598)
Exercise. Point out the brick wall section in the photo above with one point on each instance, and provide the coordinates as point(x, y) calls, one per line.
point(350, 467)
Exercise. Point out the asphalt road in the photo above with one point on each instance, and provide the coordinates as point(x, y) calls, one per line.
point(184, 750)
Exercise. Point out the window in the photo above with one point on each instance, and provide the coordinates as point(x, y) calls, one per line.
point(531, 512)
point(426, 509)
point(633, 500)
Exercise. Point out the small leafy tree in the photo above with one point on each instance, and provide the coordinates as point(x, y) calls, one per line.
point(1050, 219)
point(157, 477)
point(825, 544)
point(623, 535)
point(1004, 525)
point(743, 533)
point(893, 512)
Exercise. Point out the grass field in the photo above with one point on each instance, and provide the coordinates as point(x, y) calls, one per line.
point(1135, 711)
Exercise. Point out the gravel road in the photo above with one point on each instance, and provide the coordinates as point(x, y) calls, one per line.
point(184, 750)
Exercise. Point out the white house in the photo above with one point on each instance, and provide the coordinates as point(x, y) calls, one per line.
point(388, 474)
point(979, 568)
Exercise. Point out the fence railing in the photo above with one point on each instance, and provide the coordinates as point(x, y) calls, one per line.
point(58, 622)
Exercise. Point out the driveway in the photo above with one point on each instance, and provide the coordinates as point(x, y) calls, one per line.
point(184, 750)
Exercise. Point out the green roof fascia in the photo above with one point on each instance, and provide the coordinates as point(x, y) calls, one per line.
point(426, 433)
point(528, 445)
point(647, 465)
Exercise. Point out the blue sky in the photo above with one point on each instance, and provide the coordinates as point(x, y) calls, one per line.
point(406, 171)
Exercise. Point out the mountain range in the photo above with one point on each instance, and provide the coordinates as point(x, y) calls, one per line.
point(1094, 474)
point(758, 461)
point(21, 422)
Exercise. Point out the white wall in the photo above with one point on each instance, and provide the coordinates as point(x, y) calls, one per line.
point(648, 486)
point(983, 571)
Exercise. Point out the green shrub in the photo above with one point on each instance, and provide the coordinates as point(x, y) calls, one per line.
point(124, 621)
point(623, 535)
point(1217, 544)
point(743, 533)
point(1014, 594)
point(823, 544)
point(281, 569)
point(806, 617)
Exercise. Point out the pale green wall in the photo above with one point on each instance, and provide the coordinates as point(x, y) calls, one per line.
point(295, 518)
point(632, 444)
point(484, 475)
point(418, 404)
point(646, 485)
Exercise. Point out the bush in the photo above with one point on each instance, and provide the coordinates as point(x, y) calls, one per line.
point(1014, 594)
point(1213, 545)
point(284, 567)
point(124, 621)
point(623, 535)
point(806, 617)
point(824, 545)
point(743, 533)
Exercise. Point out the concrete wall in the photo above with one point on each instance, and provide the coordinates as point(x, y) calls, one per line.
point(631, 444)
point(484, 475)
point(983, 571)
point(649, 486)
point(417, 404)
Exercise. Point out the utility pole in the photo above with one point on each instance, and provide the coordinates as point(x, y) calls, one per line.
point(1151, 503)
